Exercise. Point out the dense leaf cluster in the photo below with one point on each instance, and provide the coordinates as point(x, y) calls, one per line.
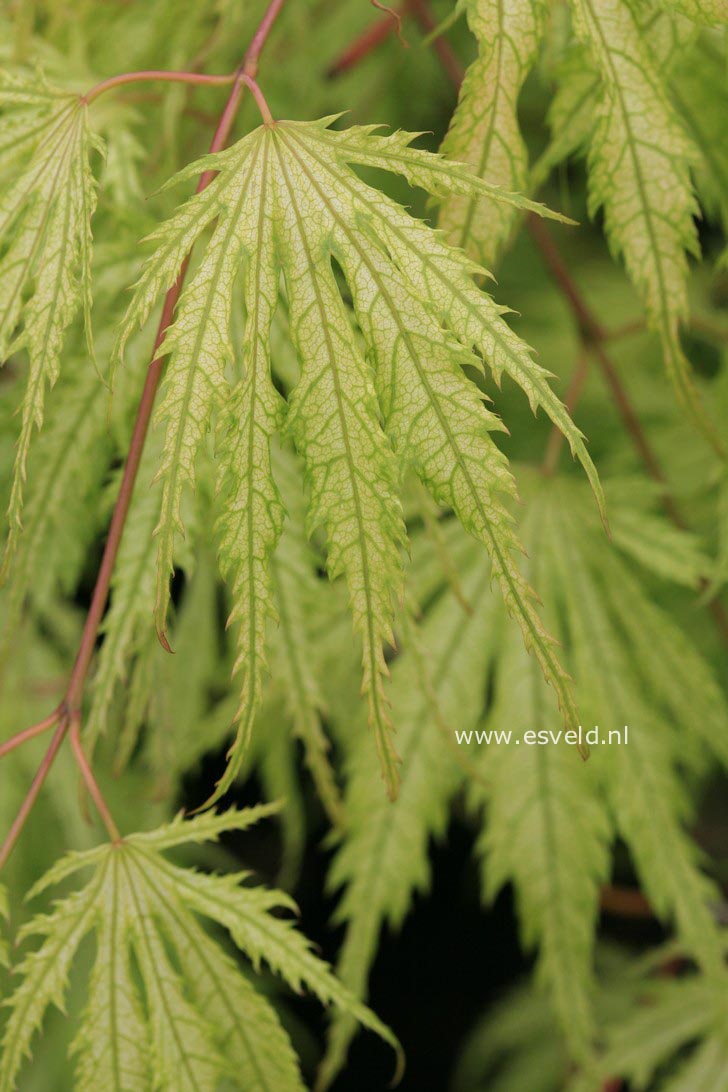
point(360, 544)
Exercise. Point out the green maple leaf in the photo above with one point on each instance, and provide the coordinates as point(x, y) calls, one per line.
point(45, 242)
point(286, 201)
point(198, 1018)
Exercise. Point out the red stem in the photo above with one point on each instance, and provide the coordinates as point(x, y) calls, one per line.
point(68, 712)
point(30, 733)
point(446, 54)
point(254, 50)
point(32, 795)
point(92, 787)
point(365, 44)
point(155, 74)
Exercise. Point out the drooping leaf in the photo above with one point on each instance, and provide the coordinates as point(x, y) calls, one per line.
point(640, 159)
point(198, 1019)
point(45, 238)
point(285, 200)
point(383, 859)
point(484, 130)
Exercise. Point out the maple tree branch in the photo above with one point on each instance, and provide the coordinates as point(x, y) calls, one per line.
point(378, 32)
point(74, 735)
point(361, 47)
point(69, 710)
point(31, 796)
point(446, 54)
point(30, 733)
point(155, 74)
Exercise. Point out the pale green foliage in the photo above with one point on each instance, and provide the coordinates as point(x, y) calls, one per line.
point(545, 830)
point(640, 159)
point(286, 200)
point(325, 413)
point(45, 235)
point(548, 819)
point(383, 859)
point(649, 1025)
point(546, 826)
point(199, 1019)
point(484, 129)
point(714, 12)
point(631, 652)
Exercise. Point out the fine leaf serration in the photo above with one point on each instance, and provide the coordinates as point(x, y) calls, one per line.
point(45, 242)
point(286, 201)
point(197, 1017)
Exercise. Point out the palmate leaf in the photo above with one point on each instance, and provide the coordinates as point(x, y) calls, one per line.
point(640, 159)
point(382, 861)
point(198, 1019)
point(285, 200)
point(484, 129)
point(531, 837)
point(633, 665)
point(549, 819)
point(45, 241)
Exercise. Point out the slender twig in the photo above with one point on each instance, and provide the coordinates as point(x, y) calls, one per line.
point(32, 794)
point(396, 17)
point(624, 902)
point(155, 74)
point(30, 733)
point(254, 50)
point(362, 46)
point(74, 735)
point(68, 712)
point(259, 98)
point(446, 54)
point(593, 336)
